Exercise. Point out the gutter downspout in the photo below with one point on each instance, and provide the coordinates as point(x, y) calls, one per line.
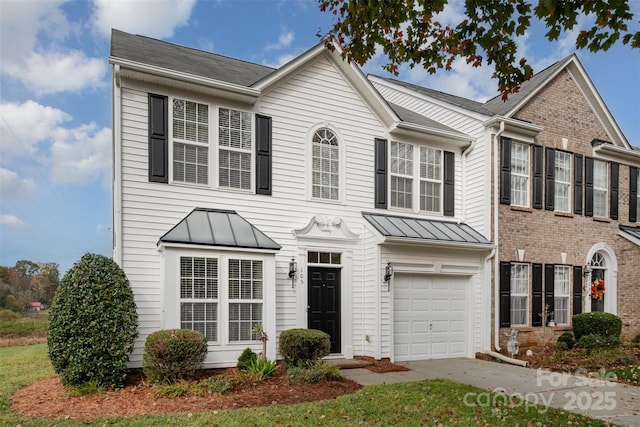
point(465, 153)
point(116, 168)
point(496, 261)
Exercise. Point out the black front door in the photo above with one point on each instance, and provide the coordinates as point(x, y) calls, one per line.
point(323, 303)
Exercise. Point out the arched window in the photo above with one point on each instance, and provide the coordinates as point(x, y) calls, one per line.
point(325, 160)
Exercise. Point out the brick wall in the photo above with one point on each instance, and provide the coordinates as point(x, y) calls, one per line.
point(564, 113)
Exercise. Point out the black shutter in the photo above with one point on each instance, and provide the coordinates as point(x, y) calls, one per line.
point(505, 294)
point(577, 290)
point(550, 180)
point(577, 184)
point(263, 154)
point(633, 194)
point(588, 186)
point(381, 173)
point(158, 139)
point(449, 183)
point(536, 302)
point(537, 176)
point(505, 171)
point(549, 289)
point(613, 195)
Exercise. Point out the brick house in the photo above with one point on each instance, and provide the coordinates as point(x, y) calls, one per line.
point(563, 197)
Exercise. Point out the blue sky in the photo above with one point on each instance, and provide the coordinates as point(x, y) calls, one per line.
point(55, 98)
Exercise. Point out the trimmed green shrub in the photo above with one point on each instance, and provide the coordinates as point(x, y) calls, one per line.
point(218, 384)
point(567, 339)
point(171, 355)
point(246, 358)
point(596, 323)
point(304, 347)
point(595, 342)
point(314, 374)
point(92, 324)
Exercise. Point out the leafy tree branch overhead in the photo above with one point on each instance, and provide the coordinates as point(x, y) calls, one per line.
point(410, 31)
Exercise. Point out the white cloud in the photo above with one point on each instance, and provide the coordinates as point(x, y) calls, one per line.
point(14, 222)
point(153, 18)
point(31, 33)
point(81, 155)
point(54, 72)
point(284, 41)
point(23, 126)
point(12, 186)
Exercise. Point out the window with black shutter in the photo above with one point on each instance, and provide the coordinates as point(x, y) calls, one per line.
point(158, 139)
point(263, 154)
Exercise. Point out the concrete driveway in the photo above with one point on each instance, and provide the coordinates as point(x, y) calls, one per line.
point(594, 397)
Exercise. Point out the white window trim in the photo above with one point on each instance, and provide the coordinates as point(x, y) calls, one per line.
point(524, 294)
point(341, 167)
point(170, 300)
point(173, 140)
point(416, 179)
point(604, 190)
point(566, 183)
point(214, 147)
point(566, 296)
point(527, 175)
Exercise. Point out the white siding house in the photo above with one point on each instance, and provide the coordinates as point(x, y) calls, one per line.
point(247, 195)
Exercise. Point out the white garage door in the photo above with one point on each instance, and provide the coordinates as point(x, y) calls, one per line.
point(430, 316)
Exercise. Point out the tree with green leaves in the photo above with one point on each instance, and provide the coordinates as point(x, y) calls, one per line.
point(410, 31)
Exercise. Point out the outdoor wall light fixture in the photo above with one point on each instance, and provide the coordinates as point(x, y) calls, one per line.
point(388, 272)
point(293, 268)
point(587, 269)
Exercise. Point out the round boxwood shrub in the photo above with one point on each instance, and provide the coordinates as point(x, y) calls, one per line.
point(247, 357)
point(596, 323)
point(171, 355)
point(92, 324)
point(567, 339)
point(304, 347)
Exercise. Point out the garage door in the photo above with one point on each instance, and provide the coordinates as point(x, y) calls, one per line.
point(430, 316)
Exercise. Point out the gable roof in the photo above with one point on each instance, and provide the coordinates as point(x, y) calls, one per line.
point(217, 227)
point(183, 59)
point(459, 101)
point(502, 108)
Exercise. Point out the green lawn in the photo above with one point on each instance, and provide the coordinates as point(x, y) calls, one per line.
point(408, 404)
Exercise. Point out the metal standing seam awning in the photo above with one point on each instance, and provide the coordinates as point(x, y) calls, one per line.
point(218, 227)
point(429, 232)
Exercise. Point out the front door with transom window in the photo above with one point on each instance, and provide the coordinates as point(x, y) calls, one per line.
point(323, 303)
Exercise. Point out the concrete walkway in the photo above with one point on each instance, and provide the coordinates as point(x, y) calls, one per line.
point(593, 397)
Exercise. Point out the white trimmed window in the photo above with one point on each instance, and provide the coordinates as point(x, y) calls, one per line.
point(325, 159)
point(561, 294)
point(430, 179)
point(235, 131)
point(519, 294)
point(562, 189)
point(401, 175)
point(600, 188)
point(520, 170)
point(245, 298)
point(190, 123)
point(199, 295)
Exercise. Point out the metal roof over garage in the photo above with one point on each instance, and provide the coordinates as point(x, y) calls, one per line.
point(400, 228)
point(216, 227)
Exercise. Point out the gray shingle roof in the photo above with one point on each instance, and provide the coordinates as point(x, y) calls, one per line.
point(500, 107)
point(425, 229)
point(445, 97)
point(184, 59)
point(216, 227)
point(417, 119)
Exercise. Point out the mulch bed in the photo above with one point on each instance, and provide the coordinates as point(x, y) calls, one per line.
point(49, 399)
